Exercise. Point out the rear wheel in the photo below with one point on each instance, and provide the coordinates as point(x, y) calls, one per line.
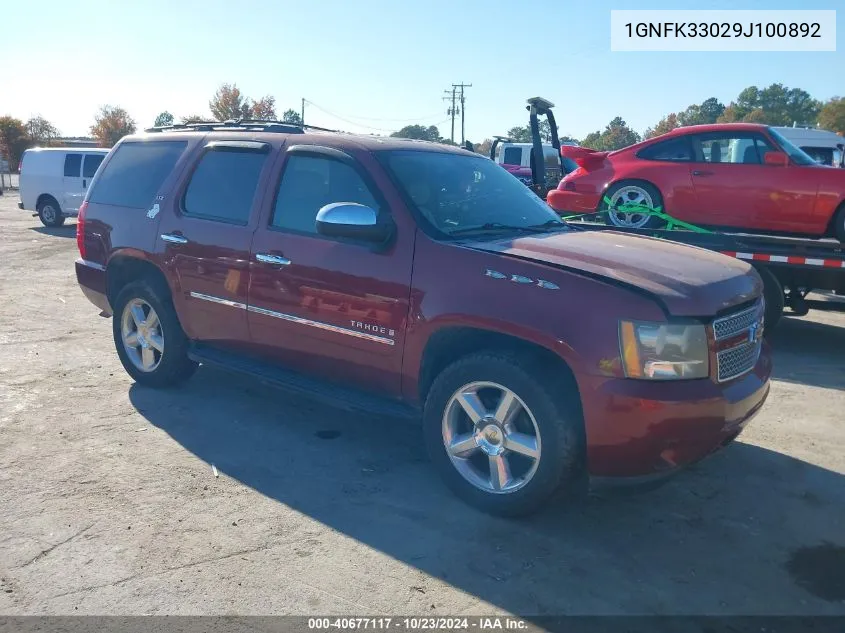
point(632, 192)
point(50, 213)
point(149, 339)
point(501, 439)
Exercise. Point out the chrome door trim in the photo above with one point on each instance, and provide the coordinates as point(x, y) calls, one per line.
point(295, 319)
point(220, 300)
point(322, 326)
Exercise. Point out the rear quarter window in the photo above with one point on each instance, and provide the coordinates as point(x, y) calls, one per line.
point(133, 176)
point(676, 149)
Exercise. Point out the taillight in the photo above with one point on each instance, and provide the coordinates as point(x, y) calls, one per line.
point(80, 229)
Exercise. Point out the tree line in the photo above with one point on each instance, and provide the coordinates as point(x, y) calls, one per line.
point(111, 123)
point(774, 105)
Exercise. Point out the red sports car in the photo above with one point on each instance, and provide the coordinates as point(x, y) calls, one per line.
point(735, 175)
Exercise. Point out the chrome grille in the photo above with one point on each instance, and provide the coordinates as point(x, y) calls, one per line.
point(734, 324)
point(738, 360)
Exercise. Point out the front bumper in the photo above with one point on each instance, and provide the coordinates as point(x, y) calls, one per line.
point(92, 281)
point(640, 429)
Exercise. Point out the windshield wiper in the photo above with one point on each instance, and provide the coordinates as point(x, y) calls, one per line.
point(491, 227)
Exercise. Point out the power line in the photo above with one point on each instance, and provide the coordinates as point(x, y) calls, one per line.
point(349, 120)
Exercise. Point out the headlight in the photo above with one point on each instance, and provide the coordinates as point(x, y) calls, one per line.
point(657, 351)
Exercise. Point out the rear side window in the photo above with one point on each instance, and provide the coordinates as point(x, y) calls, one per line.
point(223, 186)
point(72, 164)
point(135, 173)
point(676, 149)
point(311, 182)
point(513, 156)
point(89, 166)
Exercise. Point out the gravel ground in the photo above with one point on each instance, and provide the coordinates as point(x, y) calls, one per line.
point(108, 502)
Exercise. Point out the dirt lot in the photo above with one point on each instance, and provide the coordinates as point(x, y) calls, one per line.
point(108, 504)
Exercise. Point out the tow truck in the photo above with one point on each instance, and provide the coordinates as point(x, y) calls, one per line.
point(791, 267)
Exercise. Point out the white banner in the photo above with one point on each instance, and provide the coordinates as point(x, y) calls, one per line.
point(722, 30)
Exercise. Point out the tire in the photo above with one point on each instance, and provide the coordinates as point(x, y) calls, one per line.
point(633, 191)
point(773, 295)
point(554, 414)
point(50, 213)
point(839, 223)
point(165, 343)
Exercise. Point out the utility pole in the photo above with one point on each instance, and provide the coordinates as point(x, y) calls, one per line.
point(461, 85)
point(451, 111)
point(302, 116)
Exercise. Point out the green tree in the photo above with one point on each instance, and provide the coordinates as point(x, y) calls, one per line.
point(519, 134)
point(420, 132)
point(666, 124)
point(264, 108)
point(165, 118)
point(615, 136)
point(229, 103)
point(111, 124)
point(292, 116)
point(195, 118)
point(41, 131)
point(13, 140)
point(774, 105)
point(592, 140)
point(832, 115)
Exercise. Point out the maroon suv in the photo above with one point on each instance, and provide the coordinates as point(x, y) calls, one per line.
point(415, 278)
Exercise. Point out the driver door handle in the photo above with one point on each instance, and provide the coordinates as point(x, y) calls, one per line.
point(173, 238)
point(277, 260)
point(699, 172)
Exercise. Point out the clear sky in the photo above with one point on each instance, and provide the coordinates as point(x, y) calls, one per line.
point(378, 63)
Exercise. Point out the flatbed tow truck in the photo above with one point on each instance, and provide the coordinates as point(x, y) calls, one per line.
point(791, 267)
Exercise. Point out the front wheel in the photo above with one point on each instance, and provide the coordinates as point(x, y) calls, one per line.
point(626, 193)
point(502, 440)
point(149, 339)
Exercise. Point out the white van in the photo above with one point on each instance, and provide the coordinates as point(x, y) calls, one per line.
point(823, 146)
point(53, 181)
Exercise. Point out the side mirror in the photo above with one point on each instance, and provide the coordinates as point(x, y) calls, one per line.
point(776, 159)
point(351, 220)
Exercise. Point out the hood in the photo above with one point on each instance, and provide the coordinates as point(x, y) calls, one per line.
point(687, 280)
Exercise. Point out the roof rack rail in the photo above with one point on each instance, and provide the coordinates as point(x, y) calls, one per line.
point(239, 125)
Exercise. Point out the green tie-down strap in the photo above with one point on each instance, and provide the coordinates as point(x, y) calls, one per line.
point(632, 207)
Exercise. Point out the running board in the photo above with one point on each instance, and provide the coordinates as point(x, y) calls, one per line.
point(294, 382)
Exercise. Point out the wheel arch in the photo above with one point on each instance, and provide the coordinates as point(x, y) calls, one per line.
point(124, 268)
point(451, 343)
point(44, 197)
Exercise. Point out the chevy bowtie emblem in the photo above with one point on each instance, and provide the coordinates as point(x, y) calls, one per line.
point(755, 332)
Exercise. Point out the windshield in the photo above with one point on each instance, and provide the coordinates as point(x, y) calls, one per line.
point(457, 194)
point(798, 156)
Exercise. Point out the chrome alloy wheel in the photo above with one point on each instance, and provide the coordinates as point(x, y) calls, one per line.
point(631, 194)
point(491, 437)
point(141, 333)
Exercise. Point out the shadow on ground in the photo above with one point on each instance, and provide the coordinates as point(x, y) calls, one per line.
point(723, 537)
point(67, 230)
point(809, 352)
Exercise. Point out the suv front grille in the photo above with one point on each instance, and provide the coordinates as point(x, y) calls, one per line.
point(739, 359)
point(734, 324)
